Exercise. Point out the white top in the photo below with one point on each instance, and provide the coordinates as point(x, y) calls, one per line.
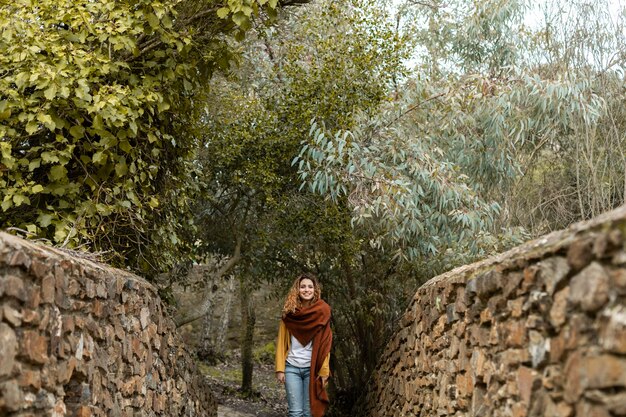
point(298, 355)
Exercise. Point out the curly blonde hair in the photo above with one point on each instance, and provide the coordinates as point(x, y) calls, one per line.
point(292, 301)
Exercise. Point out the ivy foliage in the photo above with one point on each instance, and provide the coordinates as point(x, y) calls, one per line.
point(95, 98)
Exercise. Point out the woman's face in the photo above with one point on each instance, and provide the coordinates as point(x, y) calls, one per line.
point(307, 290)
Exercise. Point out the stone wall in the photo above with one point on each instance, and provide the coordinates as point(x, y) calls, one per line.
point(81, 339)
point(536, 331)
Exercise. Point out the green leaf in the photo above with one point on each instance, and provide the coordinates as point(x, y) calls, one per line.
point(50, 92)
point(247, 10)
point(65, 91)
point(121, 168)
point(99, 158)
point(37, 189)
point(49, 157)
point(32, 127)
point(44, 220)
point(60, 233)
point(58, 173)
point(153, 20)
point(34, 164)
point(222, 12)
point(125, 146)
point(240, 18)
point(46, 119)
point(97, 122)
point(163, 106)
point(77, 131)
point(20, 199)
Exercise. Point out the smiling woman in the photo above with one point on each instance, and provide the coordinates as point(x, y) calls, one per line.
point(303, 348)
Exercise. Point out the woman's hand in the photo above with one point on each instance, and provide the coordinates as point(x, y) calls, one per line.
point(324, 381)
point(280, 377)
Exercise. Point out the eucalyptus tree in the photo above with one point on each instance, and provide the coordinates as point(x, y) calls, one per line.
point(427, 179)
point(549, 79)
point(581, 172)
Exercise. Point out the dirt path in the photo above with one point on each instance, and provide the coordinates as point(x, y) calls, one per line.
point(223, 411)
point(268, 399)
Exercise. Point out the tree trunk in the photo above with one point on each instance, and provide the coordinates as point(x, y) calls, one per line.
point(220, 339)
point(248, 318)
point(206, 350)
point(206, 304)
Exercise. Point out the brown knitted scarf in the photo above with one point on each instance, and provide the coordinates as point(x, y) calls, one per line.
point(313, 323)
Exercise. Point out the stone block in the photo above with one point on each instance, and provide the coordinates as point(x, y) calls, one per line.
point(8, 349)
point(488, 282)
point(579, 254)
point(479, 336)
point(529, 279)
point(538, 347)
point(451, 313)
point(73, 287)
point(14, 287)
point(144, 317)
point(31, 317)
point(552, 272)
point(516, 307)
point(486, 316)
point(101, 290)
point(527, 381)
point(613, 329)
point(511, 283)
point(590, 288)
point(479, 406)
point(30, 378)
point(65, 370)
point(515, 333)
point(48, 289)
point(39, 268)
point(534, 321)
point(552, 378)
point(11, 397)
point(558, 310)
point(604, 371)
point(19, 257)
point(11, 316)
point(35, 346)
point(33, 297)
point(618, 280)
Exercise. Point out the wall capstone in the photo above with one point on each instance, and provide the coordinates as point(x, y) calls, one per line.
point(537, 331)
point(78, 338)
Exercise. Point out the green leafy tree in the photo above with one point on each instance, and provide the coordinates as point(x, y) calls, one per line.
point(326, 59)
point(95, 100)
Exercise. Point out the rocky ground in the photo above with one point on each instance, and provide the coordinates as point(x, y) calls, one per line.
point(268, 399)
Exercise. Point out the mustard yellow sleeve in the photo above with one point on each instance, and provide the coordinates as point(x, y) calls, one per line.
point(282, 346)
point(325, 370)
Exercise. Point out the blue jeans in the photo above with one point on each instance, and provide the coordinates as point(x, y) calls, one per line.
point(297, 387)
